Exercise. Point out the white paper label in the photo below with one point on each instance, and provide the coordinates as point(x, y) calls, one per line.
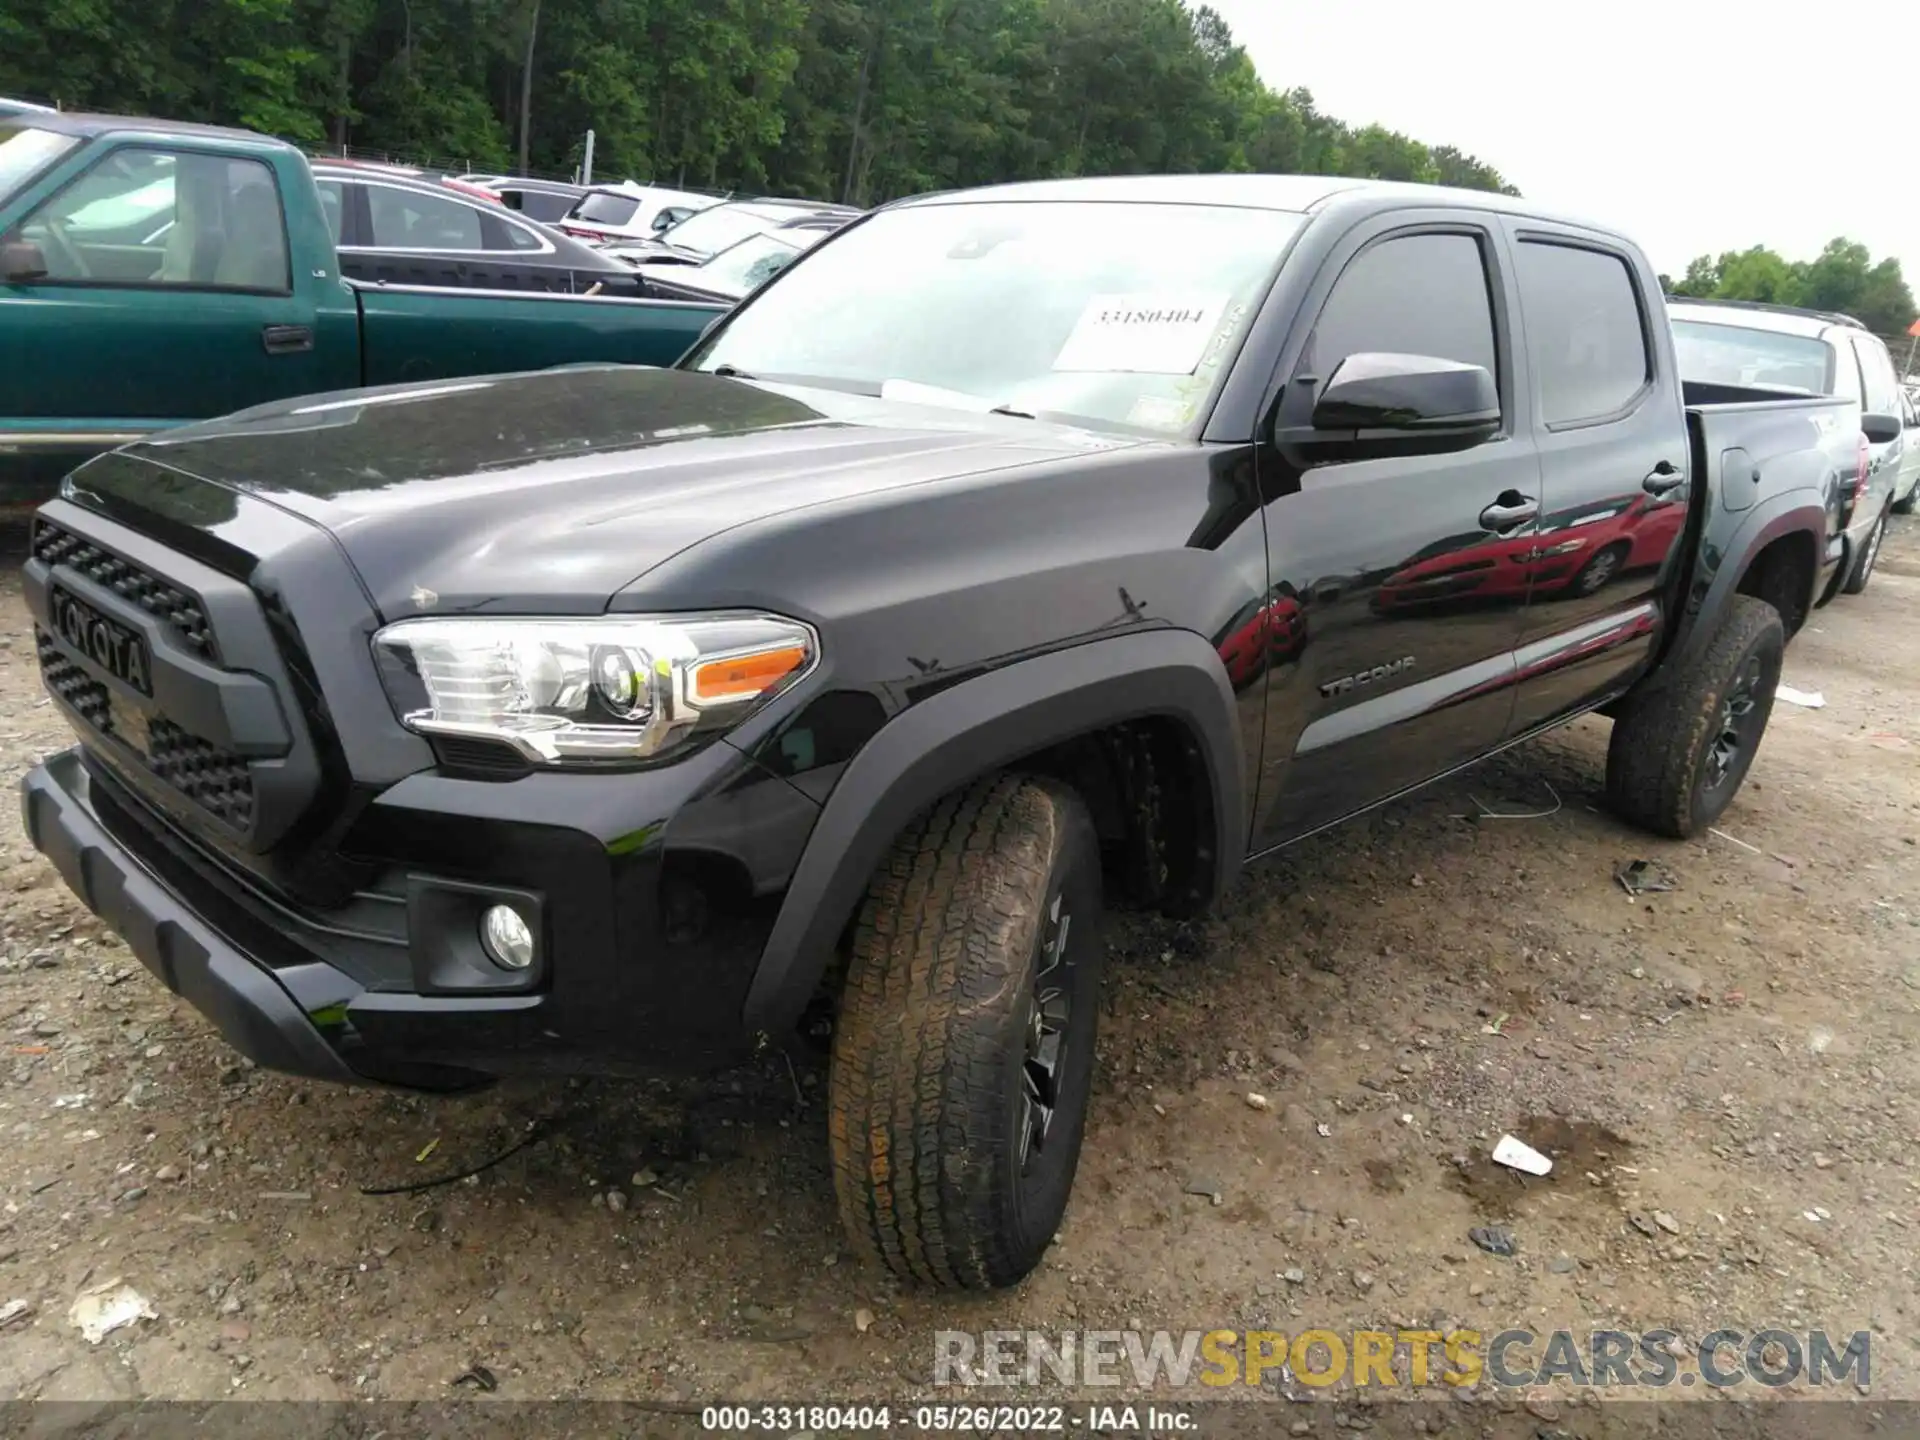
point(1146, 334)
point(1160, 412)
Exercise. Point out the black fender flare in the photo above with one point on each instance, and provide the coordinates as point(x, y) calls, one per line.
point(974, 728)
point(1798, 512)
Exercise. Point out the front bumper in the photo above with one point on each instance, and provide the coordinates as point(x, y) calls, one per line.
point(650, 941)
point(249, 1004)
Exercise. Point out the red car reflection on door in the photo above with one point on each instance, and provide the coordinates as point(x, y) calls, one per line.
point(1571, 552)
point(1271, 631)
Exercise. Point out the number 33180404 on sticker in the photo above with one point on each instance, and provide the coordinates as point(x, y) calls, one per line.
point(1143, 334)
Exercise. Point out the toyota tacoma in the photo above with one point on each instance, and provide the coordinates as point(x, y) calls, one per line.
point(971, 578)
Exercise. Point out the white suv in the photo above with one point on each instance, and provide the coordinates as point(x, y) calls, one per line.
point(631, 212)
point(1812, 352)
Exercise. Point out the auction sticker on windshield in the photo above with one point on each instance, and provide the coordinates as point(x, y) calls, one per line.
point(1146, 334)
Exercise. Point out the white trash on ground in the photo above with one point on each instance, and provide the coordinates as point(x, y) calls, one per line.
point(1517, 1155)
point(1812, 699)
point(107, 1307)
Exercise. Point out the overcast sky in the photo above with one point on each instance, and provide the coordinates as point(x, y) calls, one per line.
point(1692, 125)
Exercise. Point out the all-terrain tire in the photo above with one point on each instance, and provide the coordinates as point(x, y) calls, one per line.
point(930, 1116)
point(1862, 570)
point(1669, 766)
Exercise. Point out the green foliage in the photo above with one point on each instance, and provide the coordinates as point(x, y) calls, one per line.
point(861, 100)
point(1843, 278)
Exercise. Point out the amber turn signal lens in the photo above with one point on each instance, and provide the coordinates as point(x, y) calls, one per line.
point(740, 677)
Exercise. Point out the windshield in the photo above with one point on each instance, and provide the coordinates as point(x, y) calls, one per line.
point(712, 231)
point(1119, 315)
point(601, 208)
point(1736, 355)
point(750, 264)
point(25, 152)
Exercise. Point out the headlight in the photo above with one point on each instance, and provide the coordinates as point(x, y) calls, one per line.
point(607, 689)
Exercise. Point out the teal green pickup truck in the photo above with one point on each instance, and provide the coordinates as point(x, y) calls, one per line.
point(153, 274)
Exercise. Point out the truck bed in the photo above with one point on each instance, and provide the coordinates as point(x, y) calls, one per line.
point(1752, 445)
point(413, 332)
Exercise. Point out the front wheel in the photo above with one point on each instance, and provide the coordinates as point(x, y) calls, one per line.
point(1680, 752)
point(963, 1055)
point(1862, 571)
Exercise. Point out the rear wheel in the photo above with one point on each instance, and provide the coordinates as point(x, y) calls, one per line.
point(963, 1056)
point(1862, 570)
point(1904, 506)
point(1680, 752)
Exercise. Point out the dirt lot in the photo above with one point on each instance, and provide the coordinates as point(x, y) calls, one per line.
point(1737, 1057)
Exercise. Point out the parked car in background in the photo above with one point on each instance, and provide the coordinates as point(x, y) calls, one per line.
point(153, 274)
point(403, 230)
point(631, 212)
point(704, 235)
point(456, 183)
point(9, 107)
point(1782, 349)
point(1906, 484)
point(547, 201)
point(733, 274)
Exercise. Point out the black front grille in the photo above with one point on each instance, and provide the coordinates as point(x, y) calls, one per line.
point(75, 686)
point(216, 780)
point(166, 603)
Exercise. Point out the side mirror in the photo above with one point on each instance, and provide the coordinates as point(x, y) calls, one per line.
point(21, 261)
point(1879, 429)
point(1375, 405)
point(662, 222)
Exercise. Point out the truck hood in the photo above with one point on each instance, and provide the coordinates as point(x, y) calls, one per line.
point(549, 492)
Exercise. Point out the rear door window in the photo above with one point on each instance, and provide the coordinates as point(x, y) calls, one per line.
point(419, 220)
point(1586, 329)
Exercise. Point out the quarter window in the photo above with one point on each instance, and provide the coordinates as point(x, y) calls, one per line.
point(519, 237)
point(333, 205)
point(1846, 372)
point(1410, 295)
point(415, 220)
point(1876, 369)
point(1585, 330)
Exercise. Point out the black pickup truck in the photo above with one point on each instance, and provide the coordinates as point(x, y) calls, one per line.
point(970, 578)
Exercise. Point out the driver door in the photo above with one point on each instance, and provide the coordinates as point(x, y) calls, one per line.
point(1412, 571)
point(167, 295)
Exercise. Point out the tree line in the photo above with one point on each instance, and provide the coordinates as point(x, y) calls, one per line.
point(855, 100)
point(1844, 277)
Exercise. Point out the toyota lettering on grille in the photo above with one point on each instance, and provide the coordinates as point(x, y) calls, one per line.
point(119, 651)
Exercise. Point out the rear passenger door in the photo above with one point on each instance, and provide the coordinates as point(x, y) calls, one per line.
point(1408, 591)
point(1614, 470)
point(408, 235)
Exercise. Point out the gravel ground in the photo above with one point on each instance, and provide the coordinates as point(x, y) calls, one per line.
point(1726, 1073)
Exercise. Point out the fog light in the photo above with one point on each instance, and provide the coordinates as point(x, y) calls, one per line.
point(508, 940)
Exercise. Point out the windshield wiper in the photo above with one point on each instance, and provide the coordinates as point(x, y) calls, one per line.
point(1010, 410)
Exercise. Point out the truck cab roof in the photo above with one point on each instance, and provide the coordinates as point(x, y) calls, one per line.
point(1300, 194)
point(88, 125)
